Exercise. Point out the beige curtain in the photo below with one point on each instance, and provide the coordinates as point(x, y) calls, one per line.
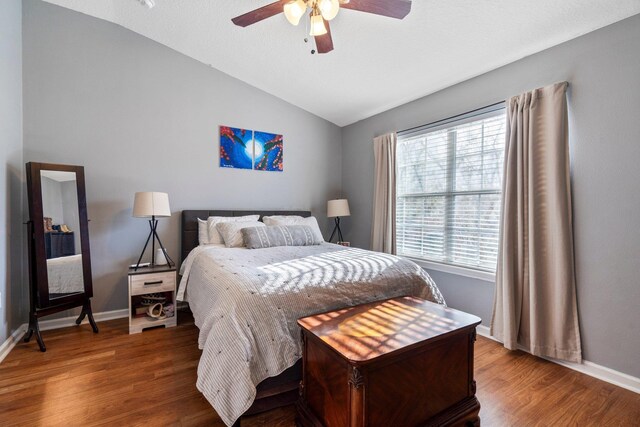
point(383, 227)
point(535, 303)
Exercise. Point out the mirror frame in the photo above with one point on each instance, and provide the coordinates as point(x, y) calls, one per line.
point(38, 265)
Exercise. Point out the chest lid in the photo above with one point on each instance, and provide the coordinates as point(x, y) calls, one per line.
point(368, 331)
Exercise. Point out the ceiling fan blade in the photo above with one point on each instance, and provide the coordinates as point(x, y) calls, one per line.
point(391, 8)
point(259, 14)
point(324, 43)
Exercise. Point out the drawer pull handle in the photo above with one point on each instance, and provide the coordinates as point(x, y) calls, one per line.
point(157, 282)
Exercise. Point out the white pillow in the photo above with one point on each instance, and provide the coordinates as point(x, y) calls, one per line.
point(232, 234)
point(269, 220)
point(295, 220)
point(203, 232)
point(212, 221)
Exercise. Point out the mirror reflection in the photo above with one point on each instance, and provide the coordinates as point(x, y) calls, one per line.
point(62, 233)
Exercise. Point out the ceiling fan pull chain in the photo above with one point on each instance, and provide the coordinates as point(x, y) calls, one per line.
point(314, 47)
point(306, 39)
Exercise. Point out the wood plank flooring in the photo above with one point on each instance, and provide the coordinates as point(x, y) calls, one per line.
point(116, 379)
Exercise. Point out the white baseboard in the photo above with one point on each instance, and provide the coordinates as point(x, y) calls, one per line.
point(47, 325)
point(484, 331)
point(589, 368)
point(9, 343)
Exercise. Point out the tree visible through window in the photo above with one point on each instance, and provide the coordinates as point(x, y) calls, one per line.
point(449, 188)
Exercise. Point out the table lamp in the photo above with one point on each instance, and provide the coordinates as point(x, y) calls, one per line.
point(337, 208)
point(151, 204)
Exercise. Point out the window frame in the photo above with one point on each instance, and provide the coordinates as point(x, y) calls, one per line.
point(449, 193)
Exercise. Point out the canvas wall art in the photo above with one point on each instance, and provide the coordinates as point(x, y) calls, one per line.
point(247, 149)
point(236, 148)
point(267, 151)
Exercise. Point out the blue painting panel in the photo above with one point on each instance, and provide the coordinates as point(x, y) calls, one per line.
point(236, 148)
point(268, 151)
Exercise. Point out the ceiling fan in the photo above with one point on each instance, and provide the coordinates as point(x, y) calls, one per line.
point(323, 11)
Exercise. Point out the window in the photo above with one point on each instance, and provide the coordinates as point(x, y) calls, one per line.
point(449, 188)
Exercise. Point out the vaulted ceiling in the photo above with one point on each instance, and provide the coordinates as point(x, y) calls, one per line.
point(378, 63)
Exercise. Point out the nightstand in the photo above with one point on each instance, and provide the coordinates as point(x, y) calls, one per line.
point(158, 280)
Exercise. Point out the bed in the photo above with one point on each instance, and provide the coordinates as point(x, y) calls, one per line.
point(245, 303)
point(65, 275)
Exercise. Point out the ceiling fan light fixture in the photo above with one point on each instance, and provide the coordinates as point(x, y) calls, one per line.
point(294, 10)
point(329, 8)
point(317, 26)
point(321, 13)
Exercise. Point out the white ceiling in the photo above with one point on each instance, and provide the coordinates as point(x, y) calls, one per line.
point(378, 63)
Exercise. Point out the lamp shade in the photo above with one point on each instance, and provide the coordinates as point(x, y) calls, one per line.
point(338, 207)
point(329, 9)
point(294, 10)
point(150, 203)
point(317, 26)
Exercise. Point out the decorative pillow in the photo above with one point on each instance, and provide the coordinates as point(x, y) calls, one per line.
point(231, 232)
point(295, 220)
point(203, 232)
point(269, 220)
point(279, 235)
point(212, 221)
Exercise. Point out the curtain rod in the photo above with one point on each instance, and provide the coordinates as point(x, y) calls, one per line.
point(452, 117)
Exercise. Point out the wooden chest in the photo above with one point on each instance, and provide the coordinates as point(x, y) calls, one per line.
point(399, 362)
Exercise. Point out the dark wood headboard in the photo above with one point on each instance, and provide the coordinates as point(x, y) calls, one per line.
point(189, 223)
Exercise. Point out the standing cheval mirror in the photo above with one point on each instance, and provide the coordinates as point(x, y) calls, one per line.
point(58, 241)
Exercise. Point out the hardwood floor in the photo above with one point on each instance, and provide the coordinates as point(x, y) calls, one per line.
point(117, 379)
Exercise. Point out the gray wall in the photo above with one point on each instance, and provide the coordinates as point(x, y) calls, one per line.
point(603, 69)
point(142, 117)
point(60, 203)
point(70, 213)
point(12, 309)
point(52, 200)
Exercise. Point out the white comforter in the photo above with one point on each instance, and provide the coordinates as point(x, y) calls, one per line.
point(65, 274)
point(246, 303)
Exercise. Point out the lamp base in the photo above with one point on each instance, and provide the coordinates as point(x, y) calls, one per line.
point(337, 229)
point(153, 236)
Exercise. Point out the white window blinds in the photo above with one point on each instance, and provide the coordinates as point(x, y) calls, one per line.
point(448, 189)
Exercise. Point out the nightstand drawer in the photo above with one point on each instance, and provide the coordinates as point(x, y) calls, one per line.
point(153, 282)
